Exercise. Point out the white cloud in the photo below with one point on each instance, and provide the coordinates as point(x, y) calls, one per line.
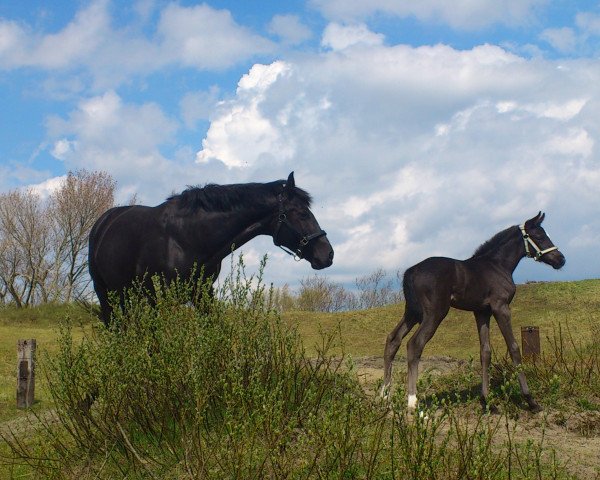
point(339, 37)
point(409, 152)
point(290, 29)
point(413, 152)
point(105, 133)
point(205, 38)
point(47, 187)
point(562, 39)
point(199, 36)
point(579, 39)
point(460, 14)
point(198, 105)
point(73, 44)
point(557, 111)
point(588, 23)
point(254, 136)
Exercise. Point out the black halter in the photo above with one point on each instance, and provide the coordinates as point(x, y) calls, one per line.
point(303, 240)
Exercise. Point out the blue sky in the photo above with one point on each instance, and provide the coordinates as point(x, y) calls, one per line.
point(421, 128)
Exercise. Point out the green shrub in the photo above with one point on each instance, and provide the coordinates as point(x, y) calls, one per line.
point(185, 383)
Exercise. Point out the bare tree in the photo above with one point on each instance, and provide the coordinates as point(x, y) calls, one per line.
point(284, 299)
point(74, 207)
point(376, 290)
point(43, 243)
point(319, 294)
point(25, 246)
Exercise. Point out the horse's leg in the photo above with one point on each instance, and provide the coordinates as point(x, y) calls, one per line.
point(415, 346)
point(392, 344)
point(485, 353)
point(105, 309)
point(503, 317)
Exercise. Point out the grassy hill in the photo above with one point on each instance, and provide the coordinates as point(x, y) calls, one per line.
point(573, 305)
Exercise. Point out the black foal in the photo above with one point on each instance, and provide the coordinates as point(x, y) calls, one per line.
point(482, 284)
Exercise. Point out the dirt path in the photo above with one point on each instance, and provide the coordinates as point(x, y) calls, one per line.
point(24, 424)
point(574, 437)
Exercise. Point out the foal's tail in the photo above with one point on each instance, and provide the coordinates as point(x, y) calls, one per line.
point(413, 306)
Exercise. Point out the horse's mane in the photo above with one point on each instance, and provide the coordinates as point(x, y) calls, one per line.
point(223, 198)
point(494, 242)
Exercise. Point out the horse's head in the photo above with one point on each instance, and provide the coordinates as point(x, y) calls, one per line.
point(538, 245)
point(297, 231)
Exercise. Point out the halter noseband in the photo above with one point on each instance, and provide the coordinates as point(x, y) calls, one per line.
point(529, 241)
point(303, 240)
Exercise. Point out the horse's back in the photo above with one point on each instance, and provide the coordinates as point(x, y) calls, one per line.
point(433, 268)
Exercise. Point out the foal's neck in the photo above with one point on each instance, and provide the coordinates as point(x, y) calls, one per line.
point(510, 253)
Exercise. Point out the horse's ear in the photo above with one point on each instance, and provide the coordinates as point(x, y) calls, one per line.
point(537, 220)
point(289, 185)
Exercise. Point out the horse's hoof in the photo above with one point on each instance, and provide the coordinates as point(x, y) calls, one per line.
point(535, 408)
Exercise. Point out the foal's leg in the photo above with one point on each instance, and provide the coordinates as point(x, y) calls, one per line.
point(485, 352)
point(415, 347)
point(502, 315)
point(392, 344)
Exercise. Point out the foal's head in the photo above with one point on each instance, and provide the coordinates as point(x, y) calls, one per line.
point(298, 230)
point(538, 245)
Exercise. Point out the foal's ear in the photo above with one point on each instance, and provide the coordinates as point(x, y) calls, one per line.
point(537, 220)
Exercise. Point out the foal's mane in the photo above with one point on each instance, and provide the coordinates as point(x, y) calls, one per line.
point(224, 198)
point(494, 242)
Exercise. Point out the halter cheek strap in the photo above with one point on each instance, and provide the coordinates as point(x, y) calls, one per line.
point(303, 240)
point(529, 242)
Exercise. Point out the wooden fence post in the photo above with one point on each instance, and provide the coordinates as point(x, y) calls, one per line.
point(25, 373)
point(530, 341)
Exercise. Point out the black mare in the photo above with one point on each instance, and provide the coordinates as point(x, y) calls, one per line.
point(482, 284)
point(199, 228)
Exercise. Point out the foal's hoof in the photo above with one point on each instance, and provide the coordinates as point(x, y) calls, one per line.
point(490, 408)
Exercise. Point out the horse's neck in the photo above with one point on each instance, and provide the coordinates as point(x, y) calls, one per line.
point(510, 253)
point(233, 230)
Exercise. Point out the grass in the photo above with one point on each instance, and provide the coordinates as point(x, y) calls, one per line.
point(309, 420)
point(40, 323)
point(545, 305)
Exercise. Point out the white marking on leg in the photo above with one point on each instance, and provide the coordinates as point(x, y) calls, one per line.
point(412, 402)
point(385, 391)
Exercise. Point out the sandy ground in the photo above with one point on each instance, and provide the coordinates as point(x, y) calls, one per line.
point(575, 438)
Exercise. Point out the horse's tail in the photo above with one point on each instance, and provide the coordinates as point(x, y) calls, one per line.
point(413, 306)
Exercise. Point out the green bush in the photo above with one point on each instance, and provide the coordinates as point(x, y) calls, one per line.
point(188, 384)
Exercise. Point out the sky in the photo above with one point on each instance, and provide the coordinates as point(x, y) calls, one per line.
point(420, 128)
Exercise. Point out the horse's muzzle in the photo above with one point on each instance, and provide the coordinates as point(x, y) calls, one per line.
point(318, 263)
point(556, 260)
